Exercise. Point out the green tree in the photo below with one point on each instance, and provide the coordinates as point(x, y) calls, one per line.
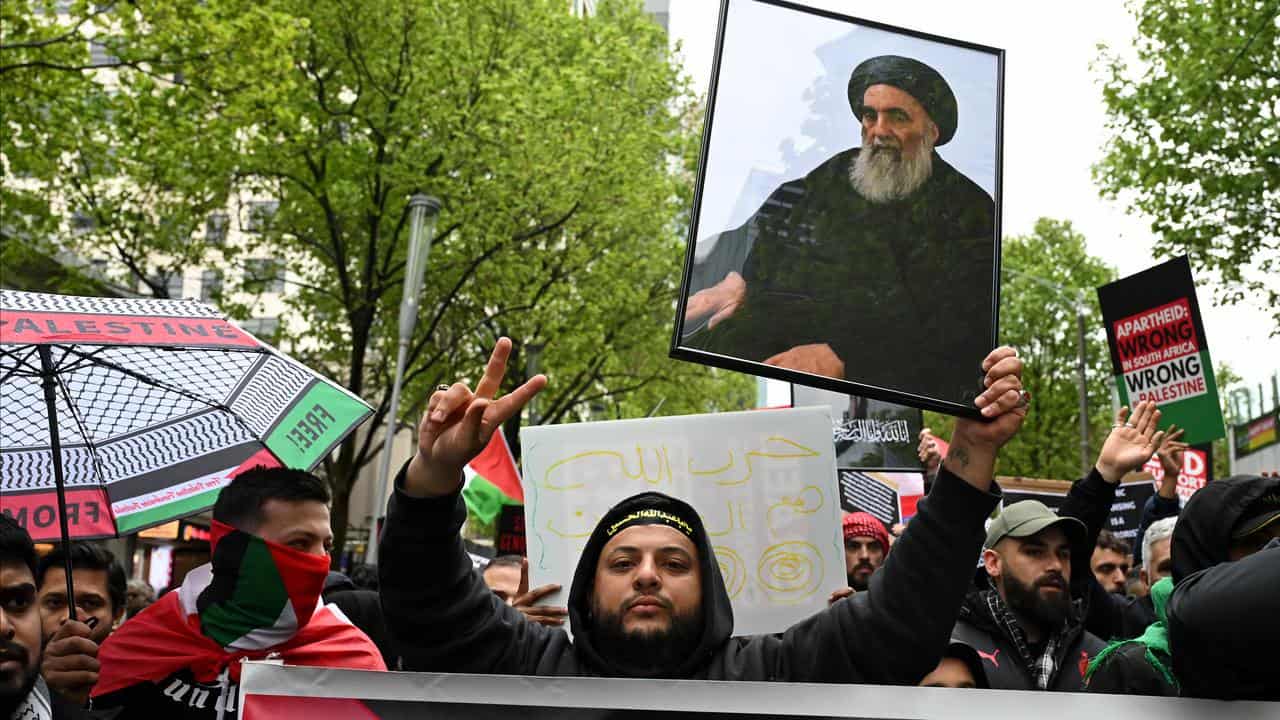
point(546, 137)
point(549, 139)
point(1046, 276)
point(113, 147)
point(1195, 138)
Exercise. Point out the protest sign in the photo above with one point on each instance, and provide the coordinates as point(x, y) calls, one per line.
point(763, 482)
point(270, 691)
point(867, 433)
point(890, 496)
point(1158, 348)
point(1126, 509)
point(1197, 469)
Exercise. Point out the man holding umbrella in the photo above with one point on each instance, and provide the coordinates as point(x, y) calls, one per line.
point(23, 693)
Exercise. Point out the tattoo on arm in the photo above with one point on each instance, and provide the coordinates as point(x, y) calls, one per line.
point(960, 455)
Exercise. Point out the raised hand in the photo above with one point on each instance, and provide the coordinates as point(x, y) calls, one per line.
point(1171, 453)
point(70, 664)
point(974, 444)
point(928, 452)
point(458, 424)
point(1132, 442)
point(1002, 401)
point(720, 301)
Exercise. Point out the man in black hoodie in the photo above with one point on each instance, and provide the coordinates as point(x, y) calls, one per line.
point(1224, 614)
point(647, 598)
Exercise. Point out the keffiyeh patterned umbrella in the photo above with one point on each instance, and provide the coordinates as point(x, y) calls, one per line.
point(143, 410)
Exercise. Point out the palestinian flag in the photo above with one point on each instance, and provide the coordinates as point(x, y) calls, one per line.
point(171, 636)
point(258, 593)
point(492, 480)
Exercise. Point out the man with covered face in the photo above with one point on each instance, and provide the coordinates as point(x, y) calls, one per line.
point(647, 598)
point(878, 239)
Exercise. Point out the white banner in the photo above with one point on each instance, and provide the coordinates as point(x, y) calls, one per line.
point(764, 483)
point(276, 692)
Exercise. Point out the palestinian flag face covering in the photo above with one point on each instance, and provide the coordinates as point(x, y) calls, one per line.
point(260, 594)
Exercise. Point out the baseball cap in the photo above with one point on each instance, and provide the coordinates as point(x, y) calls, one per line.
point(1028, 517)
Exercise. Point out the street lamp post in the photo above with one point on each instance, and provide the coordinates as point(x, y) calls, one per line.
point(1083, 388)
point(423, 210)
point(532, 365)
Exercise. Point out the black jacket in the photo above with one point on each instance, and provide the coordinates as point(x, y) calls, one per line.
point(1107, 615)
point(827, 266)
point(445, 619)
point(1224, 617)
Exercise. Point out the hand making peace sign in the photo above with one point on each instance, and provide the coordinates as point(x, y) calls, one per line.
point(458, 424)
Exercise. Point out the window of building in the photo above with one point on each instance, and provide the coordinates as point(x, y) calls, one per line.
point(215, 228)
point(259, 214)
point(211, 285)
point(263, 275)
point(100, 51)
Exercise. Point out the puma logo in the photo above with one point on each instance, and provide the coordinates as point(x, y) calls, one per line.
point(993, 656)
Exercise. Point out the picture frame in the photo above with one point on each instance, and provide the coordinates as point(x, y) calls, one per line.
point(874, 274)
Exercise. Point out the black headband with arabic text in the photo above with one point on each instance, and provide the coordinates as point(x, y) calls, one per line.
point(650, 516)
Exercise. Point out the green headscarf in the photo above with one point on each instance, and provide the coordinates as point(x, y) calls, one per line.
point(1155, 638)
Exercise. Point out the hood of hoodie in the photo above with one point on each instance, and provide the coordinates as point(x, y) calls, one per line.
point(1202, 536)
point(717, 613)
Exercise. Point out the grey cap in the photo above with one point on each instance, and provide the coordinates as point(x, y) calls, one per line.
point(1028, 517)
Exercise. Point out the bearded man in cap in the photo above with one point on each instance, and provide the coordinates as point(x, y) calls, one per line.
point(647, 598)
point(1036, 601)
point(866, 263)
point(1026, 625)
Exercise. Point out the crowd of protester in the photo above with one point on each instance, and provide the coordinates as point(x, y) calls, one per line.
point(1055, 602)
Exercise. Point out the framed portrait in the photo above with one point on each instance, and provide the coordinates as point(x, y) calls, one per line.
point(845, 231)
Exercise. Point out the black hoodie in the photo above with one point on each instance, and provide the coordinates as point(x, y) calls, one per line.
point(1224, 617)
point(445, 619)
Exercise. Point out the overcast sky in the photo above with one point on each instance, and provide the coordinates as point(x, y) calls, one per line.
point(1054, 129)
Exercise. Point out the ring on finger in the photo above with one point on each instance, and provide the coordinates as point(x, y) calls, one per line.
point(442, 387)
point(1130, 425)
point(1024, 398)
